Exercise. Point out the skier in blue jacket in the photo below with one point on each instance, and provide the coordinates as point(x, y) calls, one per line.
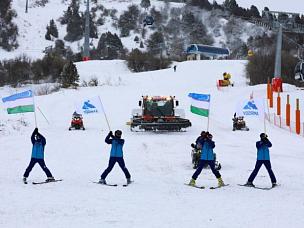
point(38, 142)
point(116, 155)
point(262, 158)
point(207, 157)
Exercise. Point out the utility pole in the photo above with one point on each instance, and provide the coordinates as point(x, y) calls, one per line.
point(86, 45)
point(277, 80)
point(161, 56)
point(26, 6)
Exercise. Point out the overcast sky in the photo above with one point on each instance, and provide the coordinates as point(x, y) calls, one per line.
point(296, 6)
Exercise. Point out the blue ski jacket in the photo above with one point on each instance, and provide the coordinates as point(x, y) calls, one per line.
point(263, 151)
point(38, 142)
point(207, 151)
point(117, 144)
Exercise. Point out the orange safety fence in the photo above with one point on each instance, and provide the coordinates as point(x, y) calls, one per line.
point(281, 123)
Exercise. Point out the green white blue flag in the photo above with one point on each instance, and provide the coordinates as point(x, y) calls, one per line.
point(19, 102)
point(200, 104)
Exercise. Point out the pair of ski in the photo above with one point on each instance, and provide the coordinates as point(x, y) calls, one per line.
point(203, 187)
point(43, 182)
point(261, 188)
point(111, 185)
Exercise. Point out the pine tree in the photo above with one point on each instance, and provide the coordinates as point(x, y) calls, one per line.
point(69, 75)
point(128, 20)
point(136, 39)
point(53, 29)
point(145, 4)
point(74, 23)
point(48, 33)
point(8, 30)
point(141, 45)
point(155, 42)
point(110, 46)
point(254, 12)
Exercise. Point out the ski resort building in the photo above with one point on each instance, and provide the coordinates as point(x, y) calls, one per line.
point(199, 51)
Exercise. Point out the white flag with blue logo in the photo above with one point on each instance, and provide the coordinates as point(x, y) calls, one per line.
point(88, 106)
point(253, 107)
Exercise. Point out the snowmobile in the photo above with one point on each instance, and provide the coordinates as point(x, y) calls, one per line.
point(239, 123)
point(196, 156)
point(77, 122)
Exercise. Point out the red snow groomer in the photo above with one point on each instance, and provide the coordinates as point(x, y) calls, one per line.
point(157, 113)
point(77, 122)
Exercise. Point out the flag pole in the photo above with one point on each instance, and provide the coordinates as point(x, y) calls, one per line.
point(264, 124)
point(34, 109)
point(208, 114)
point(265, 115)
point(104, 113)
point(43, 115)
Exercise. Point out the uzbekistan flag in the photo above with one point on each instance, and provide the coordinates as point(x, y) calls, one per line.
point(19, 102)
point(200, 104)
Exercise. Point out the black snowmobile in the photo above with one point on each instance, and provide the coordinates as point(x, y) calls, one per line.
point(239, 123)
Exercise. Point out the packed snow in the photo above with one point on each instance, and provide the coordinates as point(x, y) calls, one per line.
point(160, 163)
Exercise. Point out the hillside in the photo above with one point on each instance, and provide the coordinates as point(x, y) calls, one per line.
point(274, 5)
point(159, 163)
point(32, 27)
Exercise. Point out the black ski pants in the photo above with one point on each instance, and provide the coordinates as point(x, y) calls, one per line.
point(112, 162)
point(257, 167)
point(42, 165)
point(201, 165)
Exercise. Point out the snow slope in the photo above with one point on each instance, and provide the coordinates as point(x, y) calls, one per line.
point(160, 163)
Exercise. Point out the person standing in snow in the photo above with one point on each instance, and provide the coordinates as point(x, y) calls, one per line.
point(207, 157)
point(115, 156)
point(200, 141)
point(263, 158)
point(174, 68)
point(38, 142)
point(197, 149)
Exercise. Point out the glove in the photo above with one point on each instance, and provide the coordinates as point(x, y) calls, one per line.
point(110, 133)
point(193, 145)
point(36, 131)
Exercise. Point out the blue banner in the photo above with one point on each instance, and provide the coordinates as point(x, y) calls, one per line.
point(25, 94)
point(200, 97)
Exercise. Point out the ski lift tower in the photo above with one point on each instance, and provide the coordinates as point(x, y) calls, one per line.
point(86, 45)
point(281, 22)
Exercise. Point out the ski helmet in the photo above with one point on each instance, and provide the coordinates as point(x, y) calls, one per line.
point(118, 133)
point(263, 136)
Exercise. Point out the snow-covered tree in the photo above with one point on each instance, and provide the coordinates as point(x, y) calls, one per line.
point(145, 4)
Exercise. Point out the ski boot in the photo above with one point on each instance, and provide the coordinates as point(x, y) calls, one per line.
point(24, 180)
point(249, 184)
point(274, 185)
point(102, 181)
point(50, 179)
point(220, 182)
point(129, 181)
point(192, 182)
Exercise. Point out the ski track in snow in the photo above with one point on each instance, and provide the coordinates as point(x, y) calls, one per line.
point(160, 163)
